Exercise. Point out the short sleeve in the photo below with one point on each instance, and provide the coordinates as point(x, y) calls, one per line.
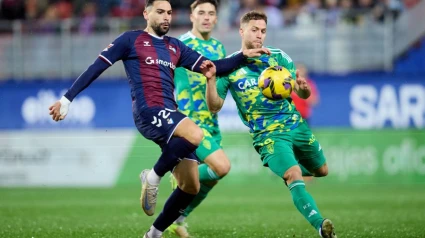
point(222, 85)
point(286, 61)
point(223, 50)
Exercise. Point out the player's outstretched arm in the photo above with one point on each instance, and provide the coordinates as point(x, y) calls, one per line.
point(60, 108)
point(192, 60)
point(227, 65)
point(118, 50)
point(302, 89)
point(214, 101)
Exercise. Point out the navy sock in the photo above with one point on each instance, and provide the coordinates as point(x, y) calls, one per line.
point(173, 208)
point(176, 149)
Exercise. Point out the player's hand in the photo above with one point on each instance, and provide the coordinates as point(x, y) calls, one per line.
point(256, 52)
point(301, 81)
point(59, 109)
point(208, 69)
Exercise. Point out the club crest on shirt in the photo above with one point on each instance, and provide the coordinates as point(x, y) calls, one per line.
point(172, 49)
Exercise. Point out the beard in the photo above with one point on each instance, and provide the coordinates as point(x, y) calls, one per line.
point(160, 30)
point(252, 45)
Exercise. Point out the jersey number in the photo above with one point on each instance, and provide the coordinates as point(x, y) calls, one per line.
point(164, 114)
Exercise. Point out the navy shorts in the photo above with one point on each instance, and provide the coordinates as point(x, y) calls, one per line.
point(158, 124)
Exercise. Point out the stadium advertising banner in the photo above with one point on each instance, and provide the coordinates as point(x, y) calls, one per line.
point(24, 105)
point(105, 158)
point(359, 102)
point(370, 128)
point(67, 158)
point(370, 102)
point(384, 156)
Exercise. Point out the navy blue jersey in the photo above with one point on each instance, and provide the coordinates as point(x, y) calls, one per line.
point(149, 63)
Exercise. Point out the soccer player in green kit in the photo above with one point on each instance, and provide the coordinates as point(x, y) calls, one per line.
point(190, 91)
point(280, 135)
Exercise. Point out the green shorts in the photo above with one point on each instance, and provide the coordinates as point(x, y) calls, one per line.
point(280, 151)
point(210, 143)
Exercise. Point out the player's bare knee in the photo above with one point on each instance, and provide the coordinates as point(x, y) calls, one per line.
point(222, 169)
point(190, 131)
point(292, 174)
point(195, 135)
point(219, 163)
point(198, 135)
point(322, 171)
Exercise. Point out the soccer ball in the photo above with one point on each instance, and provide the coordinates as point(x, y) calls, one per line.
point(276, 83)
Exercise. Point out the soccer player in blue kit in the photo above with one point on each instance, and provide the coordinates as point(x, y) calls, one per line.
point(150, 58)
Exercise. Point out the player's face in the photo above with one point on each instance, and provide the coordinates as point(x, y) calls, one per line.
point(253, 33)
point(158, 17)
point(204, 18)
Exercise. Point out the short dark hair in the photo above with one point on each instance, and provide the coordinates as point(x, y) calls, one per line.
point(150, 2)
point(199, 2)
point(253, 15)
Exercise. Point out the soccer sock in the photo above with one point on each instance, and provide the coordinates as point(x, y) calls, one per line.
point(203, 192)
point(176, 149)
point(305, 203)
point(173, 208)
point(154, 233)
point(304, 171)
point(206, 174)
point(153, 178)
point(181, 218)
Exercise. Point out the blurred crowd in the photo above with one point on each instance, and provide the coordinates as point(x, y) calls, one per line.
point(62, 9)
point(280, 12)
point(331, 12)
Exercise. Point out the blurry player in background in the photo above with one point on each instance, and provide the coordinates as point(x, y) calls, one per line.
point(150, 59)
point(191, 100)
point(304, 106)
point(280, 135)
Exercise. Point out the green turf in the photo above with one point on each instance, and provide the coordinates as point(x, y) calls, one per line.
point(249, 210)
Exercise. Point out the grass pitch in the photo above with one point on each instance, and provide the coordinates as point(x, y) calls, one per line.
point(232, 210)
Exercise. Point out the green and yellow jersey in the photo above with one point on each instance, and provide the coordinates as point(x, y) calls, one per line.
point(190, 86)
point(262, 115)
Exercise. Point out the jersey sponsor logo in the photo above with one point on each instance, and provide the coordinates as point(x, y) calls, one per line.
point(247, 83)
point(146, 43)
point(150, 60)
point(109, 46)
